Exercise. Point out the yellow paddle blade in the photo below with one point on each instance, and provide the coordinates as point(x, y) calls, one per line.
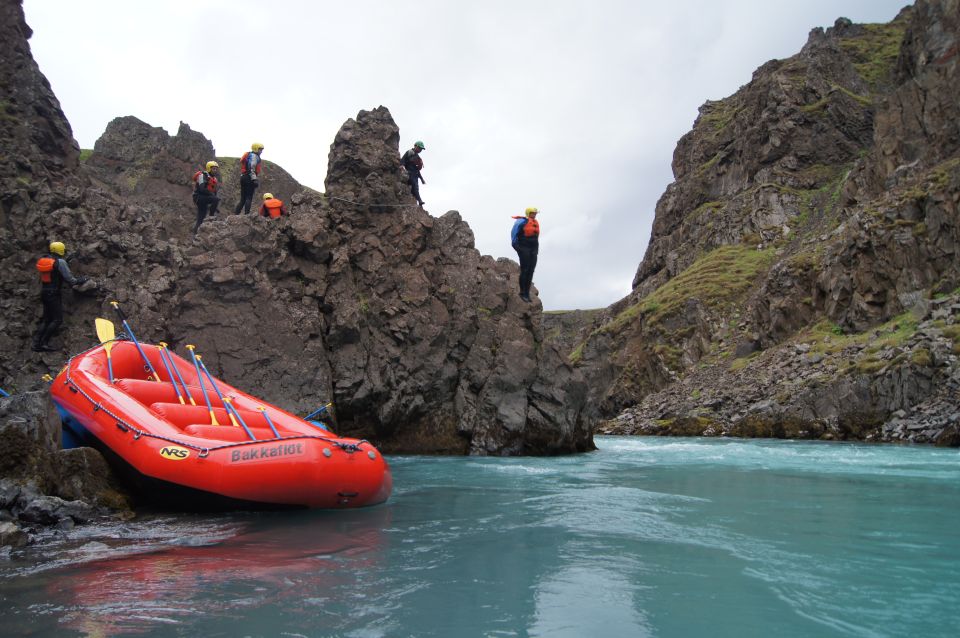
point(106, 332)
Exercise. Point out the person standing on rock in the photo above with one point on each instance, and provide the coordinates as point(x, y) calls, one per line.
point(525, 237)
point(205, 190)
point(250, 166)
point(271, 207)
point(412, 161)
point(53, 270)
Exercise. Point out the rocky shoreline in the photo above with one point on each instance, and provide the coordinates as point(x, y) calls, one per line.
point(896, 383)
point(44, 486)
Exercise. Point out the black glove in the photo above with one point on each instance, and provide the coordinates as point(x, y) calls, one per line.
point(81, 280)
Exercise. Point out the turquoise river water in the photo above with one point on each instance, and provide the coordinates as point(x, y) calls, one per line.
point(645, 537)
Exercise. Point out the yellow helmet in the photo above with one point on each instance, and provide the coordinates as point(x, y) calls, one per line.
point(256, 147)
point(212, 164)
point(267, 196)
point(532, 209)
point(57, 248)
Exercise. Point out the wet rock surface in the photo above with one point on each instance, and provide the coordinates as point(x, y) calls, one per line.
point(43, 485)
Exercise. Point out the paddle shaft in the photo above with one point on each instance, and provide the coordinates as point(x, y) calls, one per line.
point(133, 337)
point(233, 412)
point(270, 422)
point(173, 379)
point(203, 391)
point(176, 371)
point(203, 366)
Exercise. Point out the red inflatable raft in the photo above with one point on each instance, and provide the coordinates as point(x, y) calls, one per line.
point(239, 453)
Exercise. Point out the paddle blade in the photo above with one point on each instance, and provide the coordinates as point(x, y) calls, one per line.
point(105, 331)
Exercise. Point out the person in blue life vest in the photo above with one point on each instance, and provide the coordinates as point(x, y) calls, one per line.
point(205, 187)
point(412, 161)
point(250, 166)
point(53, 270)
point(525, 238)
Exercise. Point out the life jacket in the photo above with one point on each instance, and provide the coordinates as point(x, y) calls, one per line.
point(245, 163)
point(412, 161)
point(524, 227)
point(272, 208)
point(531, 228)
point(47, 267)
point(205, 180)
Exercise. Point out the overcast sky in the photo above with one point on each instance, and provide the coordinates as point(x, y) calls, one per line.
point(571, 106)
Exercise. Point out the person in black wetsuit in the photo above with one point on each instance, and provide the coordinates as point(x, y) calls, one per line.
point(53, 270)
point(412, 161)
point(205, 189)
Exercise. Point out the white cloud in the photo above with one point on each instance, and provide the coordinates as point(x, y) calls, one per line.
point(574, 107)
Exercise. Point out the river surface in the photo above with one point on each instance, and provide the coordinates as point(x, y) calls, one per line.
point(645, 537)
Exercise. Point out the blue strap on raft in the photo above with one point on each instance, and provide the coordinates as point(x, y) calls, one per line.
point(3, 394)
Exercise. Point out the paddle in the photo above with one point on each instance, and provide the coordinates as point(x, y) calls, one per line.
point(269, 421)
point(232, 410)
point(123, 319)
point(161, 347)
point(167, 357)
point(106, 333)
point(203, 391)
point(203, 367)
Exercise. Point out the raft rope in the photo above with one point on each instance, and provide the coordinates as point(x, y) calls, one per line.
point(124, 426)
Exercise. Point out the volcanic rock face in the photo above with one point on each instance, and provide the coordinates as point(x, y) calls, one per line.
point(38, 145)
point(820, 200)
point(357, 297)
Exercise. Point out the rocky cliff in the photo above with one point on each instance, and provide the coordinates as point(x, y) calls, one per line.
point(802, 274)
point(357, 297)
point(147, 167)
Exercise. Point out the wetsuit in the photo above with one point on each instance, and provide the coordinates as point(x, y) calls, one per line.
point(412, 161)
point(52, 299)
point(205, 196)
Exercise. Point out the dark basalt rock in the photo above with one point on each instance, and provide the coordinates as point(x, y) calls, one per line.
point(41, 484)
point(358, 296)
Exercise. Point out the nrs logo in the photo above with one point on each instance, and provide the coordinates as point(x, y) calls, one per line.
point(174, 453)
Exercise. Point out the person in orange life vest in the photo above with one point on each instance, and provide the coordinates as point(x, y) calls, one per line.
point(271, 207)
point(250, 166)
point(205, 187)
point(525, 238)
point(53, 271)
point(412, 161)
